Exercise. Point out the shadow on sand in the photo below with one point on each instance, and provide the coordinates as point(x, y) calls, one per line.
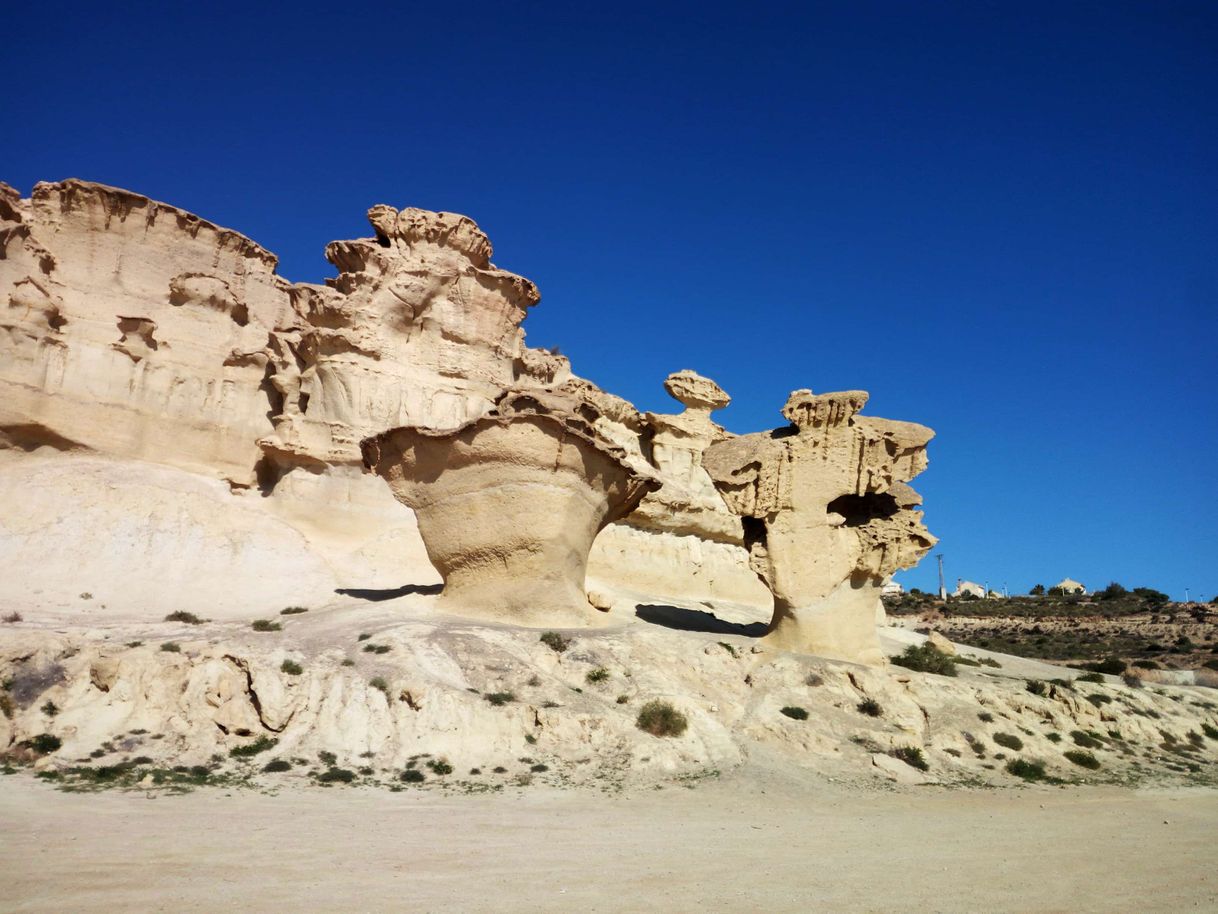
point(695, 620)
point(376, 596)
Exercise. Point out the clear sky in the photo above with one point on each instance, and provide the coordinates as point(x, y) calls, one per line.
point(999, 218)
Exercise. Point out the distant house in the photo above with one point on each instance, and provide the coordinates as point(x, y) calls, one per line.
point(968, 587)
point(1068, 586)
point(891, 588)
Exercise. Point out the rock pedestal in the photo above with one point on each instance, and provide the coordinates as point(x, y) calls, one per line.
point(508, 504)
point(826, 517)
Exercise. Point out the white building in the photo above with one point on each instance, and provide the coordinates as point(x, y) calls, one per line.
point(969, 587)
point(891, 588)
point(1066, 585)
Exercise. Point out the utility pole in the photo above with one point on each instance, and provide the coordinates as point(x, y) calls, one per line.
point(942, 586)
point(1186, 599)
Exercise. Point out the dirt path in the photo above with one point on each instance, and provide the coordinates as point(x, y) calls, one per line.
point(721, 847)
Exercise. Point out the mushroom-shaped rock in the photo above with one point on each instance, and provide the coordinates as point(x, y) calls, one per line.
point(509, 503)
point(827, 516)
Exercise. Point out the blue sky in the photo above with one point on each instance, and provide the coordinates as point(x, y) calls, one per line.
point(999, 218)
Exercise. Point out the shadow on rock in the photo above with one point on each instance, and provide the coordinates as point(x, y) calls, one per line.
point(391, 593)
point(695, 620)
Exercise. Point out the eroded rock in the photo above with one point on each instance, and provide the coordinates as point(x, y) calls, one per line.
point(826, 516)
point(509, 503)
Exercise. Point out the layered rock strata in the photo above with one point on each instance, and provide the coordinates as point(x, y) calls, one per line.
point(827, 516)
point(509, 503)
point(133, 333)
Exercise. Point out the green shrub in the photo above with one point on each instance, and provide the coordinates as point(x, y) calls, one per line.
point(1008, 740)
point(266, 625)
point(329, 759)
point(378, 682)
point(440, 766)
point(1029, 771)
point(1098, 700)
point(499, 698)
point(261, 744)
point(348, 662)
point(539, 767)
point(50, 709)
point(413, 776)
point(44, 743)
point(292, 611)
point(910, 755)
point(363, 637)
point(1210, 730)
point(870, 707)
point(1086, 740)
point(985, 717)
point(554, 641)
point(926, 658)
point(659, 718)
point(1114, 666)
point(171, 647)
point(622, 699)
point(1147, 665)
point(1091, 677)
point(376, 648)
point(731, 649)
point(1036, 687)
point(336, 776)
point(600, 674)
point(794, 713)
point(291, 667)
point(1082, 759)
point(188, 618)
point(278, 764)
point(1053, 737)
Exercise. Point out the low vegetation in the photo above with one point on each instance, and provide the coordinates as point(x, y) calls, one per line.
point(870, 707)
point(1082, 759)
point(499, 698)
point(659, 718)
point(910, 755)
point(600, 674)
point(182, 616)
point(555, 642)
point(266, 625)
point(793, 712)
point(1086, 740)
point(1029, 771)
point(261, 744)
point(291, 667)
point(1008, 741)
point(926, 658)
point(292, 611)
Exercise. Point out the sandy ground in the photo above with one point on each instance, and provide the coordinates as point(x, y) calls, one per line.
point(724, 846)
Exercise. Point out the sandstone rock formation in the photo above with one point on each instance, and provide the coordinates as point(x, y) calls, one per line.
point(827, 516)
point(135, 333)
point(509, 503)
point(682, 541)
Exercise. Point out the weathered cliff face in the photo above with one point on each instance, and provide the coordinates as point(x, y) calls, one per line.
point(121, 324)
point(827, 516)
point(134, 331)
point(419, 328)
